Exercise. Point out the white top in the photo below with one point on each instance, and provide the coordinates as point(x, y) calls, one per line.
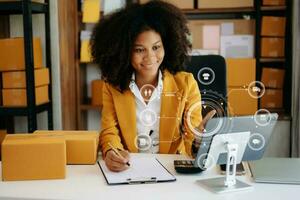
point(147, 115)
point(88, 182)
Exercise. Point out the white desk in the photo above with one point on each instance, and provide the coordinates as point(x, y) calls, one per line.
point(87, 182)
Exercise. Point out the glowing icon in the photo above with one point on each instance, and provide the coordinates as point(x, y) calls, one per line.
point(206, 76)
point(256, 89)
point(142, 142)
point(256, 141)
point(148, 93)
point(148, 118)
point(263, 117)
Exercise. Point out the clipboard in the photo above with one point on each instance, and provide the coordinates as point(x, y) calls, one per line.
point(142, 170)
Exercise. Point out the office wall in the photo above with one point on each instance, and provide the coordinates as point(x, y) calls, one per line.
point(16, 30)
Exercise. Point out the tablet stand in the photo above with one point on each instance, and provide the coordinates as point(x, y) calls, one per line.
point(234, 144)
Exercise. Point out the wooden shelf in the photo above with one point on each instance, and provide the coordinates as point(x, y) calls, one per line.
point(17, 7)
point(272, 8)
point(264, 60)
point(218, 10)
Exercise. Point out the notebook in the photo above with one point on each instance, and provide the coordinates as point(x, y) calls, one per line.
point(276, 170)
point(141, 170)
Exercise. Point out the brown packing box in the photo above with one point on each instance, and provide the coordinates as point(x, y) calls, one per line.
point(2, 136)
point(17, 79)
point(272, 98)
point(241, 27)
point(186, 4)
point(273, 2)
point(272, 47)
point(97, 92)
point(225, 3)
point(18, 97)
point(12, 56)
point(273, 78)
point(240, 102)
point(240, 71)
point(273, 26)
point(33, 157)
point(82, 146)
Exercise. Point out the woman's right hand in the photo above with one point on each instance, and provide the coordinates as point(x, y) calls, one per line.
point(116, 163)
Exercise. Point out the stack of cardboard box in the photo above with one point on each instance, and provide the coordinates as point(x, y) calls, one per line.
point(240, 74)
point(13, 74)
point(44, 154)
point(273, 32)
point(273, 80)
point(273, 46)
point(223, 37)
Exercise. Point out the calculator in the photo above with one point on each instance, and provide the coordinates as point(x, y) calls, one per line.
point(186, 167)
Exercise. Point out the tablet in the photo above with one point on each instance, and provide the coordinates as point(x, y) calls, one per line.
point(260, 126)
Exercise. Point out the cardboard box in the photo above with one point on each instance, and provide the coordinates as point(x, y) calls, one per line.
point(186, 4)
point(18, 97)
point(272, 47)
point(240, 102)
point(211, 36)
point(273, 26)
point(273, 2)
point(97, 92)
point(33, 157)
point(240, 71)
point(273, 98)
point(239, 27)
point(273, 78)
point(237, 46)
point(82, 146)
point(17, 79)
point(12, 56)
point(225, 4)
point(2, 136)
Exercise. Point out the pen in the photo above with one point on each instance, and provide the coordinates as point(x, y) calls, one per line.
point(150, 133)
point(117, 152)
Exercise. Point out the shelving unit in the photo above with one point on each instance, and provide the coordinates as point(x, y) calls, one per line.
point(83, 101)
point(254, 13)
point(286, 61)
point(26, 8)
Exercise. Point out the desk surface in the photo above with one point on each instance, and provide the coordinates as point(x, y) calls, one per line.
point(87, 182)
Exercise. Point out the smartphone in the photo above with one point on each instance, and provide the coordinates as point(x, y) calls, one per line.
point(240, 170)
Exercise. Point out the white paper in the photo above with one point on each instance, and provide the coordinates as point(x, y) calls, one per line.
point(140, 169)
point(237, 46)
point(211, 36)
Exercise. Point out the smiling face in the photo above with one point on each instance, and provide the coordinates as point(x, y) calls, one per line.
point(147, 54)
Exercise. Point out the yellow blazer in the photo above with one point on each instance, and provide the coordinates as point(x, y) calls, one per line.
point(118, 120)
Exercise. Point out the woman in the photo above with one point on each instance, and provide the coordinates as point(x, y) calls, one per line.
point(146, 96)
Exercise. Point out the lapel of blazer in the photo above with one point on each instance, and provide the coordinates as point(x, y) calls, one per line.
point(170, 100)
point(126, 114)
